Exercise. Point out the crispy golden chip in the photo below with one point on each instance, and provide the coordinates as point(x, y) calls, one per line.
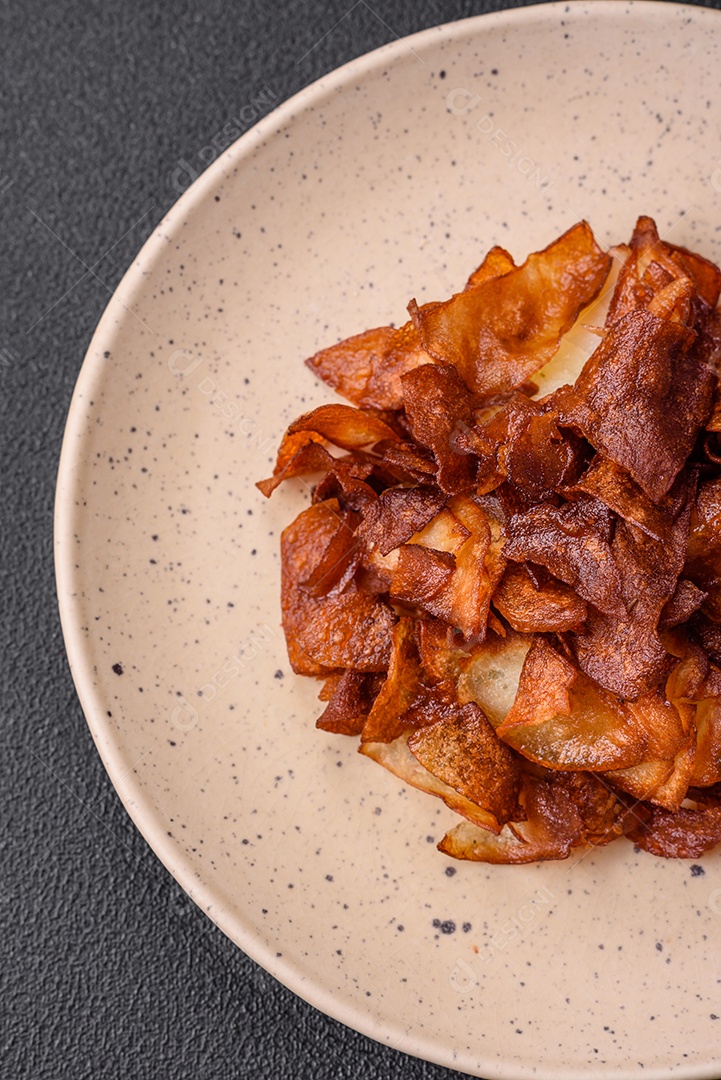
point(562, 720)
point(503, 330)
point(403, 353)
point(551, 607)
point(664, 773)
point(397, 758)
point(343, 426)
point(464, 752)
point(347, 366)
point(496, 263)
point(641, 399)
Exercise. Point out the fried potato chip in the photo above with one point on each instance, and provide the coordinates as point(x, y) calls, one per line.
point(444, 532)
point(686, 600)
point(343, 426)
point(682, 834)
point(492, 673)
point(436, 402)
point(302, 545)
point(562, 812)
point(707, 763)
point(703, 562)
point(612, 485)
point(624, 652)
point(496, 263)
point(464, 752)
point(442, 660)
point(641, 399)
point(335, 631)
point(347, 366)
point(456, 588)
point(503, 330)
point(552, 608)
point(397, 758)
point(422, 578)
point(398, 514)
point(560, 719)
point(569, 541)
point(401, 688)
point(349, 704)
point(339, 560)
point(664, 773)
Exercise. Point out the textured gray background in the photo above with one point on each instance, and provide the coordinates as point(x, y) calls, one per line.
point(107, 969)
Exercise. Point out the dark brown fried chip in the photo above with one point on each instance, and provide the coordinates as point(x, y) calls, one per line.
point(685, 833)
point(686, 600)
point(398, 514)
point(624, 652)
point(613, 486)
point(641, 399)
point(437, 404)
point(400, 689)
point(570, 541)
point(551, 607)
point(500, 332)
point(703, 562)
point(349, 704)
point(463, 750)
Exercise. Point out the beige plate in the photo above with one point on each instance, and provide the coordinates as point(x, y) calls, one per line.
point(389, 178)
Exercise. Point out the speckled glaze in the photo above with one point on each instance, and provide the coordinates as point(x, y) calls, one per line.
point(386, 180)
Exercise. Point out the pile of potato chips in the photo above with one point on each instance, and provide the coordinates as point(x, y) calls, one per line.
point(514, 600)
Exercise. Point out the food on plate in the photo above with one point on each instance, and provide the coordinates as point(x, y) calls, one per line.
point(512, 595)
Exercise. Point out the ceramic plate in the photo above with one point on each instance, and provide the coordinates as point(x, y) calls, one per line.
point(388, 179)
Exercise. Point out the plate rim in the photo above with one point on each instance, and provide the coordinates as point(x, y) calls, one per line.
point(135, 798)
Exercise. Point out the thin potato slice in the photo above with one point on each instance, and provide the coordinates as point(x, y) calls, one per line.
point(401, 688)
point(397, 758)
point(503, 330)
point(641, 399)
point(464, 752)
point(550, 607)
point(561, 720)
